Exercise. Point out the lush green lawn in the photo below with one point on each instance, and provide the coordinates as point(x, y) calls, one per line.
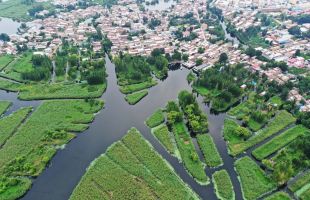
point(134, 98)
point(19, 65)
point(4, 105)
point(300, 182)
point(9, 124)
point(223, 186)
point(279, 142)
point(127, 89)
point(155, 119)
point(9, 85)
point(5, 60)
point(305, 195)
point(165, 138)
point(281, 120)
point(275, 100)
point(254, 181)
point(232, 139)
point(131, 169)
point(209, 150)
point(61, 91)
point(28, 151)
point(278, 196)
point(188, 153)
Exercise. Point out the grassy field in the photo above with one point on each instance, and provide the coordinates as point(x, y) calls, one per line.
point(278, 196)
point(4, 105)
point(165, 138)
point(209, 150)
point(28, 151)
point(131, 169)
point(223, 186)
point(232, 139)
point(61, 91)
point(9, 85)
point(155, 119)
point(9, 124)
point(281, 120)
point(300, 182)
point(305, 195)
point(5, 60)
point(134, 98)
point(254, 181)
point(188, 153)
point(127, 89)
point(17, 10)
point(14, 69)
point(279, 142)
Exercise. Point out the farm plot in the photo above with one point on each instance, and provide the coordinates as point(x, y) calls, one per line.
point(188, 153)
point(4, 105)
point(165, 138)
point(28, 151)
point(279, 142)
point(131, 169)
point(281, 120)
point(9, 124)
point(254, 181)
point(209, 150)
point(223, 186)
point(155, 119)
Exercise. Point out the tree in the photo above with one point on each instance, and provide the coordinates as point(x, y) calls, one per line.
point(185, 57)
point(223, 58)
point(185, 98)
point(242, 132)
point(295, 30)
point(201, 50)
point(283, 171)
point(199, 61)
point(4, 37)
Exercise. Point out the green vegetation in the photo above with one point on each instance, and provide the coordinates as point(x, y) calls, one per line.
point(279, 142)
point(18, 9)
point(300, 182)
point(165, 138)
point(127, 89)
point(255, 112)
point(134, 73)
point(131, 169)
point(278, 196)
point(209, 150)
point(197, 120)
point(28, 151)
point(188, 153)
point(9, 124)
point(234, 134)
point(254, 181)
point(223, 186)
point(305, 195)
point(155, 119)
point(61, 91)
point(136, 97)
point(281, 120)
point(9, 85)
point(5, 60)
point(222, 89)
point(4, 105)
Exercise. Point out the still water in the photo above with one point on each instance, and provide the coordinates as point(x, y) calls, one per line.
point(8, 26)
